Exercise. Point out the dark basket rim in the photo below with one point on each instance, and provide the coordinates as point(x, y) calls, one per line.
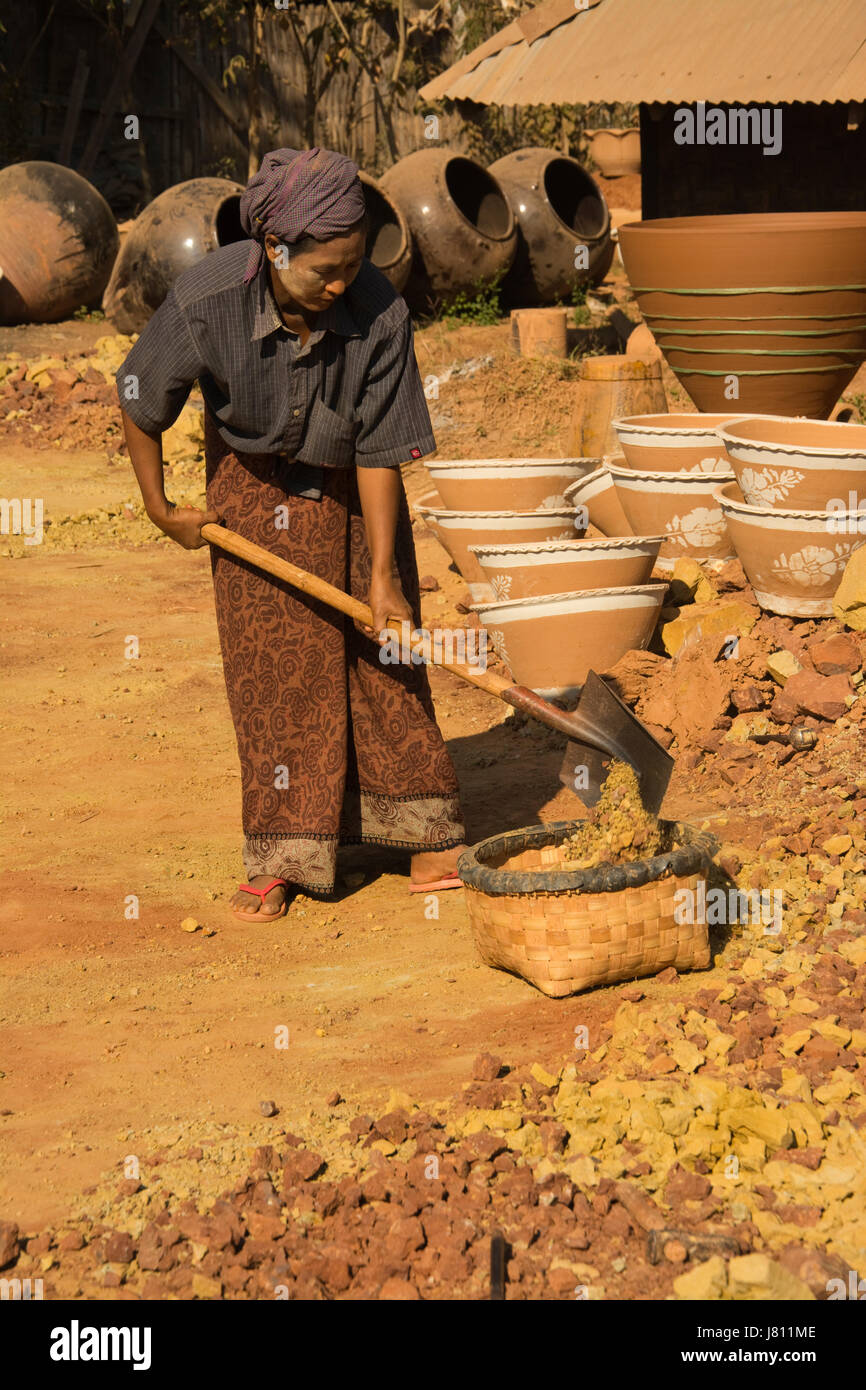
point(605, 878)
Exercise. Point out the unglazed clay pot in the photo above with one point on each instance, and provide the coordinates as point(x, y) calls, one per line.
point(457, 531)
point(776, 300)
point(58, 241)
point(674, 443)
point(794, 560)
point(804, 464)
point(551, 643)
point(683, 507)
point(558, 208)
point(389, 240)
point(461, 222)
point(615, 151)
point(523, 484)
point(174, 232)
point(597, 493)
point(557, 567)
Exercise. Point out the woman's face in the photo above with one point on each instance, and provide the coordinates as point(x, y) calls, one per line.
point(314, 278)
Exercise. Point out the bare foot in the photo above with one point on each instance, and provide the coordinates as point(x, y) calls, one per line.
point(266, 909)
point(429, 866)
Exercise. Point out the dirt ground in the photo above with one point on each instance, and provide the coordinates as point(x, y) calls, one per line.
point(122, 780)
point(125, 1034)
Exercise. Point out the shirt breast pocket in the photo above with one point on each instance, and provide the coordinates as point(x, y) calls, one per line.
point(329, 438)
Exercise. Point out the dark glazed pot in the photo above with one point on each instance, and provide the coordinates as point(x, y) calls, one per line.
point(558, 208)
point(174, 232)
point(777, 300)
point(461, 222)
point(58, 240)
point(389, 241)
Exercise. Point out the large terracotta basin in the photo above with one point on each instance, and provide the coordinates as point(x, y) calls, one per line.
point(776, 300)
point(805, 464)
point(794, 560)
point(673, 443)
point(551, 643)
point(557, 567)
point(458, 530)
point(524, 484)
point(596, 495)
point(683, 507)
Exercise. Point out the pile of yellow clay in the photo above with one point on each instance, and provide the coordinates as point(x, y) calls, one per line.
point(618, 828)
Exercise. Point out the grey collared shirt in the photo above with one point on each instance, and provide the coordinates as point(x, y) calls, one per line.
point(351, 395)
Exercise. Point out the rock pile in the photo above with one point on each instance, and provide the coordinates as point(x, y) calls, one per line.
point(703, 1145)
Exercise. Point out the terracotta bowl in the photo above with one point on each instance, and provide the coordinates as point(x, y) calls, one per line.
point(777, 299)
point(457, 531)
point(597, 494)
point(524, 484)
point(805, 464)
point(551, 642)
point(683, 507)
point(794, 560)
point(673, 443)
point(556, 567)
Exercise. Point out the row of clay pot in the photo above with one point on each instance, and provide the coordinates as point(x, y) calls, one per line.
point(535, 221)
point(797, 510)
point(440, 224)
point(788, 496)
point(555, 601)
point(773, 302)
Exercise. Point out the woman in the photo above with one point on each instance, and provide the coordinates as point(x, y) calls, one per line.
point(303, 352)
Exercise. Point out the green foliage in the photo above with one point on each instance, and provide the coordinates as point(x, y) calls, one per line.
point(86, 315)
point(482, 308)
point(578, 299)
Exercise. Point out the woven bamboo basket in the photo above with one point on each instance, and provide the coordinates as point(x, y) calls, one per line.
point(565, 930)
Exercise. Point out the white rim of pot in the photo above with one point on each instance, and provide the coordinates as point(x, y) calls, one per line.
point(630, 425)
point(573, 550)
point(775, 514)
point(832, 453)
point(445, 515)
point(634, 596)
point(599, 479)
point(473, 464)
point(676, 481)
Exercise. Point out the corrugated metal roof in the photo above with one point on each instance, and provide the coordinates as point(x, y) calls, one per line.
point(746, 51)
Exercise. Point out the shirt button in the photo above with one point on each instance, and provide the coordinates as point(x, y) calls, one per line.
point(296, 412)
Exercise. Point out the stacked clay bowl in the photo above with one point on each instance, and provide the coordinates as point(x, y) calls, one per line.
point(557, 567)
point(551, 642)
point(803, 464)
point(794, 559)
point(673, 443)
point(523, 484)
point(596, 495)
point(776, 300)
point(682, 507)
point(457, 531)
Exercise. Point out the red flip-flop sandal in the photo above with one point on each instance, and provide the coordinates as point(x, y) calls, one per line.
point(452, 880)
point(262, 893)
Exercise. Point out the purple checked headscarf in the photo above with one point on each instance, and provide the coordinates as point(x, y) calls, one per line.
point(300, 193)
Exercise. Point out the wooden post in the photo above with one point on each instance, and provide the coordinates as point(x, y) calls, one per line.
point(144, 21)
point(73, 110)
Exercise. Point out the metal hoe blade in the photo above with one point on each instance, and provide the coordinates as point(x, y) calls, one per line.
point(606, 729)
